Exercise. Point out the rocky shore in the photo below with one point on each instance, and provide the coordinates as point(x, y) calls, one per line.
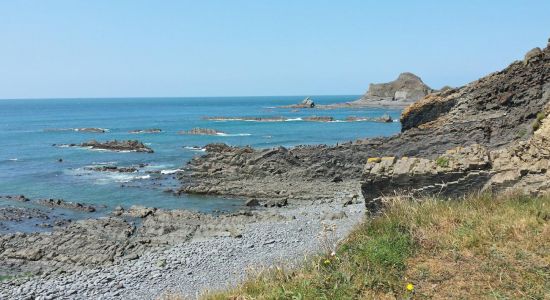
point(503, 111)
point(176, 251)
point(489, 135)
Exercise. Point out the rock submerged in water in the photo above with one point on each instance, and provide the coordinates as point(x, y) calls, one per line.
point(84, 129)
point(60, 203)
point(386, 118)
point(319, 119)
point(150, 130)
point(254, 119)
point(129, 145)
point(201, 131)
point(112, 169)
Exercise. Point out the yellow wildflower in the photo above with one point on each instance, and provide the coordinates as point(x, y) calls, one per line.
point(410, 287)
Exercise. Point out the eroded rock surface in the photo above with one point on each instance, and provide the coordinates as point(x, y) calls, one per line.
point(493, 112)
point(96, 242)
point(129, 145)
point(406, 89)
point(501, 123)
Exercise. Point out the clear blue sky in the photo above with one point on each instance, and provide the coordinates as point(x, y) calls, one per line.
point(229, 48)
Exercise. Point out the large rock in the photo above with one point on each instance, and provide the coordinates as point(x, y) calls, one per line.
point(119, 146)
point(407, 87)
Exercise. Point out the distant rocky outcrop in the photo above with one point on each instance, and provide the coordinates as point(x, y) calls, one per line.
point(201, 131)
point(319, 119)
point(253, 119)
point(150, 130)
point(129, 145)
point(406, 89)
point(385, 118)
point(84, 129)
point(306, 103)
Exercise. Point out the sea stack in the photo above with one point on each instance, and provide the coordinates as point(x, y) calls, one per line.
point(406, 88)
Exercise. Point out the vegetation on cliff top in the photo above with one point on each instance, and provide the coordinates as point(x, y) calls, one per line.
point(477, 248)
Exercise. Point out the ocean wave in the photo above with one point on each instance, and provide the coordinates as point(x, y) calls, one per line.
point(106, 177)
point(12, 159)
point(293, 119)
point(232, 134)
point(195, 148)
point(168, 172)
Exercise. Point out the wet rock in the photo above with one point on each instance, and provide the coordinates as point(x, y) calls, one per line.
point(20, 198)
point(255, 119)
point(66, 204)
point(109, 168)
point(319, 119)
point(91, 129)
point(150, 130)
point(201, 131)
point(252, 203)
point(129, 145)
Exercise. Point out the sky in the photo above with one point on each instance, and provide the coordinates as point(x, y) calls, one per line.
point(133, 48)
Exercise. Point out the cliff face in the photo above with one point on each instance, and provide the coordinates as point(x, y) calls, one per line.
point(490, 114)
point(407, 87)
point(499, 125)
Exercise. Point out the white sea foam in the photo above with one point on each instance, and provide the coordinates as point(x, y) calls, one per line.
point(293, 119)
point(232, 134)
point(13, 159)
point(167, 172)
point(195, 148)
point(85, 129)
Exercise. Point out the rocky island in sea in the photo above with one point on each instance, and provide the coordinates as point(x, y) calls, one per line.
point(117, 146)
point(491, 135)
point(403, 91)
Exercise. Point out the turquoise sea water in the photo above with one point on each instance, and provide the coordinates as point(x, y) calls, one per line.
point(29, 163)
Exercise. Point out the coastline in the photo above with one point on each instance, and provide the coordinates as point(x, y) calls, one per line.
point(208, 263)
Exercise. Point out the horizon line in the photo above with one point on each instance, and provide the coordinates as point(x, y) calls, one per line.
point(169, 97)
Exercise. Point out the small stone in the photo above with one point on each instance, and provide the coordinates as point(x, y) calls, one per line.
point(252, 203)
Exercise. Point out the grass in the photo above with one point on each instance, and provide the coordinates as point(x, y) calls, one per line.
point(538, 121)
point(478, 248)
point(442, 161)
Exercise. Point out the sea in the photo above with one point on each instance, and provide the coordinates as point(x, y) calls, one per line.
point(32, 162)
